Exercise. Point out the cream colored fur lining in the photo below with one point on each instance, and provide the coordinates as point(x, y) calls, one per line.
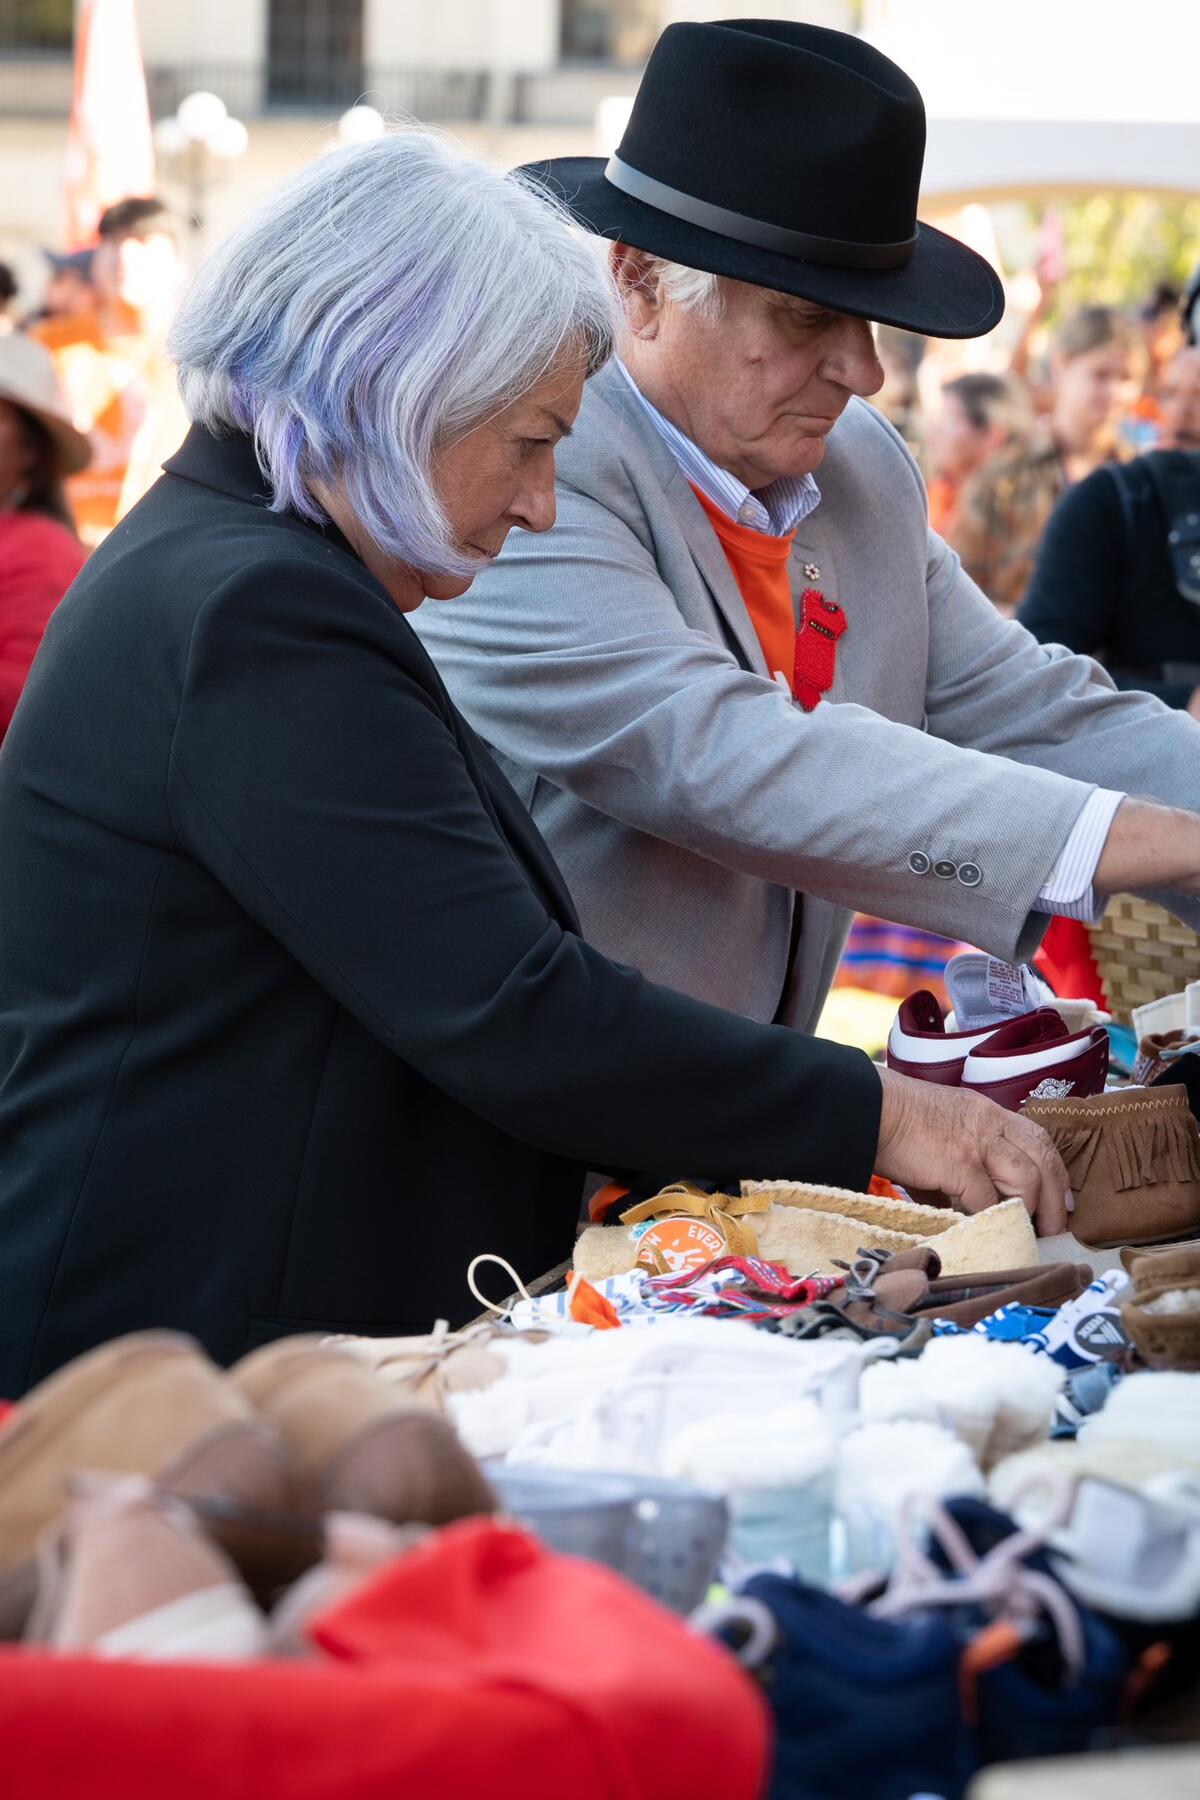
point(810, 1229)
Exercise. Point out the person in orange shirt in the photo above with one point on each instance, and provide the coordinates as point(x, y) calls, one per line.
point(111, 358)
point(980, 414)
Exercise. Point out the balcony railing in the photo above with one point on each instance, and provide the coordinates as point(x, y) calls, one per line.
point(36, 85)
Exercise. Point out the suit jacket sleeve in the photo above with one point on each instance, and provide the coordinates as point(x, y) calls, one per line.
point(571, 657)
point(316, 772)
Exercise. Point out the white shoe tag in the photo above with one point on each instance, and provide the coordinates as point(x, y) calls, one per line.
point(1004, 984)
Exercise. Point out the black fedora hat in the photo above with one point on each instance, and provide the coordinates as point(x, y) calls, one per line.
point(788, 156)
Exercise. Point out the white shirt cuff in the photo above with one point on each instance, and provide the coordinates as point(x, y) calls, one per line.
point(1068, 890)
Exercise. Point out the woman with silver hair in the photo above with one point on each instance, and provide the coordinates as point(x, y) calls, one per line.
point(295, 1015)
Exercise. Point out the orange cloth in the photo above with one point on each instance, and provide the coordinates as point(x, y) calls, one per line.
point(760, 568)
point(588, 1306)
point(943, 503)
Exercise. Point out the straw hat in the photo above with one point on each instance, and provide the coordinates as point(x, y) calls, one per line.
point(28, 381)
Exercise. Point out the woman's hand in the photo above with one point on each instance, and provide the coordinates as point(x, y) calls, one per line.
point(969, 1148)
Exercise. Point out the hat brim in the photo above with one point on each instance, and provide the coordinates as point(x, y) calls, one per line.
point(73, 448)
point(946, 290)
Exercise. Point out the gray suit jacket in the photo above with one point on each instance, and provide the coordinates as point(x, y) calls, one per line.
point(613, 666)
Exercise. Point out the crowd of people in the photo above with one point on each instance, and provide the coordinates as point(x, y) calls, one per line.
point(1001, 447)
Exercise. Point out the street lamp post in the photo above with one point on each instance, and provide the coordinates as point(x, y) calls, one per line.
point(360, 124)
point(194, 143)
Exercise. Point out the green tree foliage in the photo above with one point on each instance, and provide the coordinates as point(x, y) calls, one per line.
point(1118, 246)
point(36, 24)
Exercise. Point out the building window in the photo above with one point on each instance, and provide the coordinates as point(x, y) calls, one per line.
point(36, 24)
point(315, 52)
point(609, 31)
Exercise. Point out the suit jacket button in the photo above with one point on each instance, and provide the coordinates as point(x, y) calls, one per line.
point(945, 871)
point(970, 874)
point(919, 863)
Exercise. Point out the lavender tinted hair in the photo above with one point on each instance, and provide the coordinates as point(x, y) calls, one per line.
point(379, 305)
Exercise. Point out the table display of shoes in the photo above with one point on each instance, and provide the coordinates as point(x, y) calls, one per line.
point(808, 1229)
point(295, 1552)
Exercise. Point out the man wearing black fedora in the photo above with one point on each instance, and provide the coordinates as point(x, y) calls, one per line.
point(742, 686)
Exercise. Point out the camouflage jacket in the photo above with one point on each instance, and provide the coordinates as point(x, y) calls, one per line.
point(1002, 512)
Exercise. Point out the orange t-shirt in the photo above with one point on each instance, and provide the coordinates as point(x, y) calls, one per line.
point(760, 568)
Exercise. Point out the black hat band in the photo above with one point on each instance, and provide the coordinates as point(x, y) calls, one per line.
point(837, 252)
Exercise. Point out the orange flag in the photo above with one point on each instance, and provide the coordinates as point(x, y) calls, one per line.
point(110, 147)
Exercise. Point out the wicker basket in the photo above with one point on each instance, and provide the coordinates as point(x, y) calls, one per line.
point(1142, 953)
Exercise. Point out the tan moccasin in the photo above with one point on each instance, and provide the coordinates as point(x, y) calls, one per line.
point(359, 1445)
point(148, 1404)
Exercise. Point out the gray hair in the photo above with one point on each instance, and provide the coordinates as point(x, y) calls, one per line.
point(693, 290)
point(380, 305)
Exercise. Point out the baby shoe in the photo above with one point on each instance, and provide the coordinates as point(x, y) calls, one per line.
point(920, 1046)
point(985, 994)
point(1133, 1157)
point(996, 1398)
point(860, 1705)
point(148, 1404)
point(1040, 1672)
point(1134, 1555)
point(429, 1369)
point(890, 1291)
point(358, 1444)
point(1159, 1051)
point(1036, 1057)
point(1161, 1310)
point(128, 1572)
point(355, 1545)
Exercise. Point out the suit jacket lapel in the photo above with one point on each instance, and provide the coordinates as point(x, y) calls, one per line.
point(701, 539)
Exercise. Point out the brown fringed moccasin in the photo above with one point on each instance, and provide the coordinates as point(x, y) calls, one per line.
point(1133, 1157)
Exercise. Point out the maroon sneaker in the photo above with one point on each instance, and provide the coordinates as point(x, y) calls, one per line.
point(919, 1044)
point(1036, 1057)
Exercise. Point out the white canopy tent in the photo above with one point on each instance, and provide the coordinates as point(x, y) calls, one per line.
point(1050, 96)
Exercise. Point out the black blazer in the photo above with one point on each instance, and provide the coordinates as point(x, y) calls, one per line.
point(294, 1013)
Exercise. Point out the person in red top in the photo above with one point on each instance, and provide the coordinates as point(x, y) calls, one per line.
point(40, 554)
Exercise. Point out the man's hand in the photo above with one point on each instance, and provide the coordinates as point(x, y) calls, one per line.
point(1193, 704)
point(1151, 846)
point(970, 1148)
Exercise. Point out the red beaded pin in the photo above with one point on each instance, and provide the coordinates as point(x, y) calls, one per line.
point(822, 623)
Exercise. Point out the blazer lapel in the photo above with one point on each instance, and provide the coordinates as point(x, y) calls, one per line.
point(701, 539)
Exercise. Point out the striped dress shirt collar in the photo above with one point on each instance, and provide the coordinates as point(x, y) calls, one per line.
point(776, 509)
